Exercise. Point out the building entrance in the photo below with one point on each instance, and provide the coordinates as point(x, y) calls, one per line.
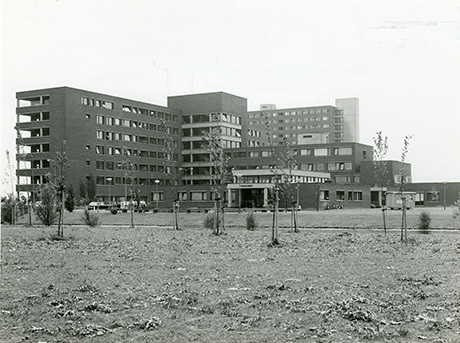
point(252, 198)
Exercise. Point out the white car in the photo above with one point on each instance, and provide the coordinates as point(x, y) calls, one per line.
point(94, 205)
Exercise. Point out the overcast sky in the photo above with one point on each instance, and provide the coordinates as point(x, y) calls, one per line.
point(400, 58)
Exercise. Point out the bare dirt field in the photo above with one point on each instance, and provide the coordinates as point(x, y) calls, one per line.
point(153, 284)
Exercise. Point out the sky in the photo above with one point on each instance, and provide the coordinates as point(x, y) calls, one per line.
point(400, 58)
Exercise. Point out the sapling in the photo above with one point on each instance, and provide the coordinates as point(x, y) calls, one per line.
point(381, 169)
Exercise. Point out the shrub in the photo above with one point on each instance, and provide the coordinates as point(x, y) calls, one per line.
point(47, 209)
point(7, 209)
point(69, 202)
point(90, 218)
point(251, 222)
point(424, 222)
point(209, 220)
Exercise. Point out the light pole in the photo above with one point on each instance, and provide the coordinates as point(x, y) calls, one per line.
point(158, 194)
point(109, 181)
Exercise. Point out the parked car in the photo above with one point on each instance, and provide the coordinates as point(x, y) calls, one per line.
point(94, 205)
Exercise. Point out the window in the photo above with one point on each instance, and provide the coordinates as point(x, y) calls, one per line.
point(357, 196)
point(100, 134)
point(107, 105)
point(88, 163)
point(99, 150)
point(342, 151)
point(88, 116)
point(157, 196)
point(198, 196)
point(432, 196)
point(88, 147)
point(320, 152)
point(340, 195)
point(100, 165)
point(109, 165)
point(182, 196)
point(324, 194)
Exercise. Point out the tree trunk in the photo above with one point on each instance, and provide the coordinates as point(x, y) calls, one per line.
point(131, 205)
point(403, 222)
point(384, 214)
point(275, 221)
point(294, 211)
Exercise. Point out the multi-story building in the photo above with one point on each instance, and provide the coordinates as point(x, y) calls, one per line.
point(306, 125)
point(98, 132)
point(201, 113)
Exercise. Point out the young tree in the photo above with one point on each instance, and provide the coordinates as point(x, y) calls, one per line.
point(276, 180)
point(401, 189)
point(130, 172)
point(10, 174)
point(22, 156)
point(287, 164)
point(7, 209)
point(60, 165)
point(170, 165)
point(47, 209)
point(213, 145)
point(381, 169)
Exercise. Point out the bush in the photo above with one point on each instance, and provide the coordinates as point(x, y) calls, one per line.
point(424, 222)
point(90, 218)
point(209, 220)
point(47, 209)
point(69, 202)
point(7, 209)
point(251, 222)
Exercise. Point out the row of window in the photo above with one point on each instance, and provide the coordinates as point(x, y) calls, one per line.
point(111, 150)
point(301, 127)
point(32, 117)
point(119, 180)
point(211, 117)
point(118, 136)
point(111, 165)
point(287, 121)
point(290, 113)
point(340, 195)
point(343, 151)
point(97, 103)
point(130, 109)
point(34, 101)
point(111, 121)
point(152, 113)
